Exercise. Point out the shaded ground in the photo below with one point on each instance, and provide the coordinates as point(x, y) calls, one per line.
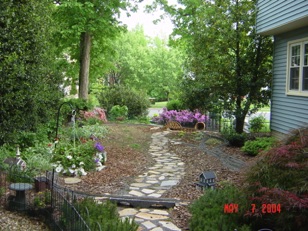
point(127, 148)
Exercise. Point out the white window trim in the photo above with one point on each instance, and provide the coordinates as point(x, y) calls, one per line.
point(299, 92)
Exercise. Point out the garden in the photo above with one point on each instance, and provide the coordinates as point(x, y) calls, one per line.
point(107, 155)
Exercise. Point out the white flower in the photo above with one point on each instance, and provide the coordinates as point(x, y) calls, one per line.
point(59, 169)
point(100, 168)
point(105, 156)
point(82, 171)
point(73, 166)
point(99, 156)
point(69, 157)
point(72, 171)
point(81, 163)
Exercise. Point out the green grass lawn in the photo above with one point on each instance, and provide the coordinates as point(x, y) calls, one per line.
point(265, 109)
point(159, 104)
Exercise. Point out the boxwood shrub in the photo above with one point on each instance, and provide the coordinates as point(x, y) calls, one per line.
point(253, 147)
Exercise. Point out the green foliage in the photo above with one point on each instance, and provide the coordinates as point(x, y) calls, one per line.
point(118, 112)
point(145, 64)
point(208, 211)
point(253, 147)
point(70, 158)
point(29, 78)
point(77, 104)
point(280, 177)
point(175, 104)
point(42, 199)
point(136, 102)
point(235, 139)
point(256, 123)
point(105, 214)
point(16, 175)
point(98, 21)
point(38, 157)
point(228, 64)
point(98, 131)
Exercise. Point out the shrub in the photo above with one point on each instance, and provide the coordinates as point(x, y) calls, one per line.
point(253, 147)
point(95, 116)
point(280, 177)
point(78, 104)
point(208, 211)
point(136, 102)
point(175, 104)
point(105, 214)
point(183, 117)
point(118, 112)
point(38, 157)
point(234, 139)
point(256, 123)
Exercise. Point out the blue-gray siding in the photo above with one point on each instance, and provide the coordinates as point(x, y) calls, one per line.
point(287, 112)
point(274, 14)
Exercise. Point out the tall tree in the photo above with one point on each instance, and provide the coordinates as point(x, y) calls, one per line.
point(147, 64)
point(228, 64)
point(86, 26)
point(29, 88)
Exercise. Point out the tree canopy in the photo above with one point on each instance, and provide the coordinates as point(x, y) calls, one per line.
point(147, 64)
point(228, 66)
point(87, 28)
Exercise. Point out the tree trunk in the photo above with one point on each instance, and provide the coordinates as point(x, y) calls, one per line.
point(85, 48)
point(239, 124)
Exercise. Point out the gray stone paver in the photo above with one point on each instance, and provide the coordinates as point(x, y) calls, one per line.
point(164, 174)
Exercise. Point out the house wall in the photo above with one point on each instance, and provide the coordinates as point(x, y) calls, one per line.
point(287, 112)
point(278, 16)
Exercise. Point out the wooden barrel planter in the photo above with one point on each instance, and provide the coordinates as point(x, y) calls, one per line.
point(200, 126)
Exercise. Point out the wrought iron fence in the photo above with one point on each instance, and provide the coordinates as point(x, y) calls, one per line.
point(41, 196)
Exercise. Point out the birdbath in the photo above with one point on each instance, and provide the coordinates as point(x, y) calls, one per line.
point(20, 199)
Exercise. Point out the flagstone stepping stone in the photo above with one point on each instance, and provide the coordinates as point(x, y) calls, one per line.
point(148, 216)
point(71, 180)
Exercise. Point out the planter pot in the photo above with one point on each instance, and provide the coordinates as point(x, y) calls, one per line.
point(41, 183)
point(200, 126)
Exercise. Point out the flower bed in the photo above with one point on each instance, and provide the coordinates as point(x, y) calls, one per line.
point(78, 156)
point(184, 117)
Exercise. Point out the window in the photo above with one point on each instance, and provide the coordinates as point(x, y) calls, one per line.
point(297, 72)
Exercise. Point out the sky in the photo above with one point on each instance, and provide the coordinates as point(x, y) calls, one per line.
point(163, 29)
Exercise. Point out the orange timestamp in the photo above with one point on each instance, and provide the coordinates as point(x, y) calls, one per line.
point(267, 208)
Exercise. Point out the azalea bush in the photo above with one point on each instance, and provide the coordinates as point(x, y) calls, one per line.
point(97, 115)
point(183, 116)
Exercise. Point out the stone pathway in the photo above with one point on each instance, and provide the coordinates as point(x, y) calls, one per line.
point(165, 173)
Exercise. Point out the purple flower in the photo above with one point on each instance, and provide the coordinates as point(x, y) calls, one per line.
point(184, 116)
point(99, 147)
